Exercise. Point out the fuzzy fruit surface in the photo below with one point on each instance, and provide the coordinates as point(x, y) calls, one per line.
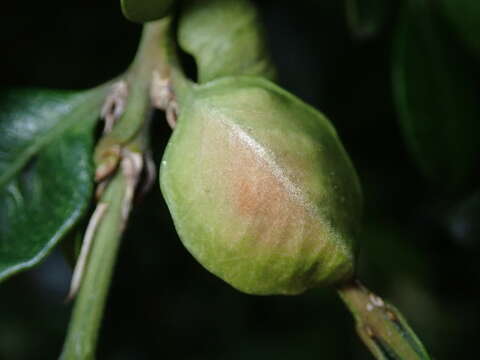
point(261, 191)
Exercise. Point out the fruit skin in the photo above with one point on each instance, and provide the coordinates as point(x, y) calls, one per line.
point(261, 191)
point(141, 11)
point(225, 37)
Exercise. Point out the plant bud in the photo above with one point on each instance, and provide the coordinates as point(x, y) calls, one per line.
point(225, 37)
point(261, 191)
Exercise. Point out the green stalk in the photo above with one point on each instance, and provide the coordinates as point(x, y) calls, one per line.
point(182, 85)
point(150, 58)
point(130, 133)
point(87, 315)
point(381, 326)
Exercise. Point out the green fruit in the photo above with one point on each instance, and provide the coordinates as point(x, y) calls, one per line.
point(145, 10)
point(225, 37)
point(261, 191)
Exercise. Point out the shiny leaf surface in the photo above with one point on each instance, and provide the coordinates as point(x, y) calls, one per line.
point(45, 170)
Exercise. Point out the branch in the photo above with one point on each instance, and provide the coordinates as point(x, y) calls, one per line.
point(120, 158)
point(381, 326)
point(87, 315)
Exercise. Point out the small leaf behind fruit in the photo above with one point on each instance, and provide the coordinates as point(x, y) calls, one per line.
point(436, 98)
point(45, 170)
point(141, 11)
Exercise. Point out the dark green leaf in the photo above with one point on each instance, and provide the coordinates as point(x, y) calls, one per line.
point(366, 17)
point(45, 170)
point(145, 10)
point(436, 98)
point(464, 15)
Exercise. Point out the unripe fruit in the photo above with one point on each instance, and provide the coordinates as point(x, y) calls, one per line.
point(141, 11)
point(225, 37)
point(261, 191)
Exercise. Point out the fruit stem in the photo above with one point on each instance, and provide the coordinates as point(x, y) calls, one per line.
point(129, 134)
point(149, 60)
point(380, 325)
point(182, 85)
point(87, 314)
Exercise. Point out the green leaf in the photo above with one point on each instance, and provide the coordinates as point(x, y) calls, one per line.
point(436, 98)
point(366, 18)
point(141, 11)
point(45, 170)
point(464, 16)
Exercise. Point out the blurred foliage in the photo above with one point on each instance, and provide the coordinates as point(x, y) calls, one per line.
point(436, 97)
point(366, 18)
point(420, 246)
point(463, 16)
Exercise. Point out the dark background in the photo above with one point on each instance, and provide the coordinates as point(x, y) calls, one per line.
point(419, 247)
